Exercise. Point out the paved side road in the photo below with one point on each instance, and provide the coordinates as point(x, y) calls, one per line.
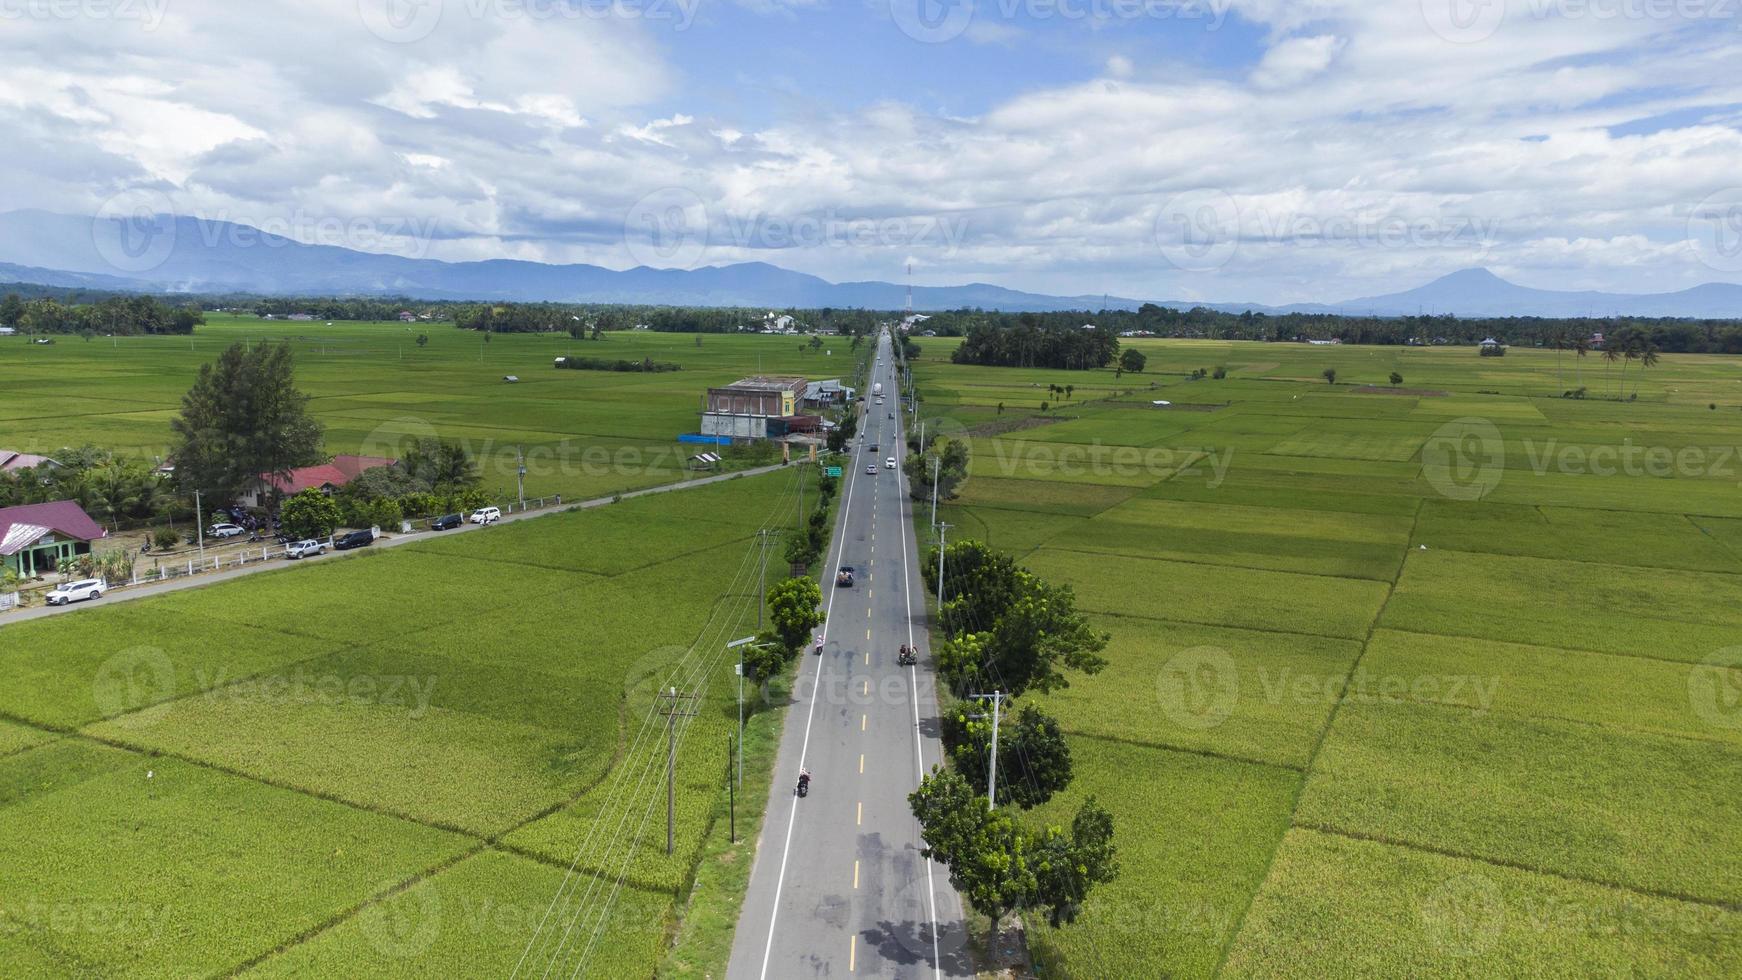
point(196, 581)
point(839, 888)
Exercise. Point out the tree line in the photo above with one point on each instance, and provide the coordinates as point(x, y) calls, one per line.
point(1668, 334)
point(1027, 340)
point(122, 316)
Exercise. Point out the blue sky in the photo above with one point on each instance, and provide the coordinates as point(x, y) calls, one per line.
point(1257, 150)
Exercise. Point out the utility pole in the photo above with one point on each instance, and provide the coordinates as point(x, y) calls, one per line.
point(935, 463)
point(200, 523)
point(997, 697)
point(761, 584)
point(739, 645)
point(922, 438)
point(520, 476)
point(732, 788)
point(943, 532)
point(677, 707)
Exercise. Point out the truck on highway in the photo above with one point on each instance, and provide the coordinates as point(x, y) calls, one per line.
point(877, 389)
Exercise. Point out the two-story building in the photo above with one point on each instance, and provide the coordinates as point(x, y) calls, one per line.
point(752, 408)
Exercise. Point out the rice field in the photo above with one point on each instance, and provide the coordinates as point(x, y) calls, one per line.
point(394, 761)
point(583, 434)
point(1446, 682)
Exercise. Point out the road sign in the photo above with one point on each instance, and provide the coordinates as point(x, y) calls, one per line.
point(833, 471)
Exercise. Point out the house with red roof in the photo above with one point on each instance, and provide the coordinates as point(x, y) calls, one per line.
point(35, 537)
point(327, 478)
point(12, 461)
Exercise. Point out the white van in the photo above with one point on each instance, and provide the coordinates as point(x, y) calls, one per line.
point(486, 515)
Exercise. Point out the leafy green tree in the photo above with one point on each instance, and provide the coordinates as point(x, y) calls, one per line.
point(438, 464)
point(1396, 379)
point(423, 340)
point(1034, 762)
point(1330, 375)
point(984, 849)
point(11, 310)
point(794, 609)
point(1132, 360)
point(951, 467)
point(243, 417)
point(765, 658)
point(1066, 867)
point(309, 514)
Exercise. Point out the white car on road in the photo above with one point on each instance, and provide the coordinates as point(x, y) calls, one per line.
point(889, 463)
point(304, 548)
point(88, 588)
point(226, 530)
point(486, 515)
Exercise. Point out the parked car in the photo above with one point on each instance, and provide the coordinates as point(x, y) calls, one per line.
point(486, 515)
point(304, 548)
point(446, 522)
point(889, 463)
point(226, 530)
point(85, 588)
point(356, 539)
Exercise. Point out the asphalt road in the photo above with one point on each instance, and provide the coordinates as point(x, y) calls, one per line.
point(839, 887)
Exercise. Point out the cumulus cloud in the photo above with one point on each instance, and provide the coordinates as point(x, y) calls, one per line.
point(1362, 146)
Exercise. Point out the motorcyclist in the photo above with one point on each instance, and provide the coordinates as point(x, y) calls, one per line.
point(819, 644)
point(804, 781)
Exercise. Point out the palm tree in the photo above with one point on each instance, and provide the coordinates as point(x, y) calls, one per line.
point(1581, 347)
point(1557, 339)
point(1647, 358)
point(1610, 356)
point(1628, 354)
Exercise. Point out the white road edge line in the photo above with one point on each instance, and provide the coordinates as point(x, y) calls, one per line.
point(918, 739)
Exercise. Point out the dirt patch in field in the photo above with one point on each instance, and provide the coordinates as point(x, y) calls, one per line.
point(999, 427)
point(1417, 392)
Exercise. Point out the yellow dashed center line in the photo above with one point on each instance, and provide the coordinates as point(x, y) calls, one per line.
point(853, 955)
point(855, 874)
point(861, 763)
point(859, 818)
point(862, 720)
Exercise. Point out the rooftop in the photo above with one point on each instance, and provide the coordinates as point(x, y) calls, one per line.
point(20, 527)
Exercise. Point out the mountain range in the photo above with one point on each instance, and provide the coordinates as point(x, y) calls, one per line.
point(193, 255)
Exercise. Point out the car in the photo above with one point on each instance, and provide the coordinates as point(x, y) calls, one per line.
point(889, 463)
point(446, 522)
point(873, 447)
point(844, 578)
point(356, 539)
point(871, 468)
point(226, 530)
point(85, 588)
point(304, 548)
point(486, 515)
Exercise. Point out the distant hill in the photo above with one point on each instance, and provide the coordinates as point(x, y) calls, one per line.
point(220, 257)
